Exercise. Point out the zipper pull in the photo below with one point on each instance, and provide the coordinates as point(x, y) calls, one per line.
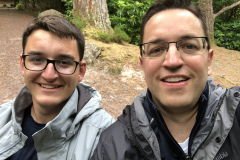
point(188, 157)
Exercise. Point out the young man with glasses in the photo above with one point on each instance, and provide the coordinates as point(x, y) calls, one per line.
point(54, 116)
point(183, 114)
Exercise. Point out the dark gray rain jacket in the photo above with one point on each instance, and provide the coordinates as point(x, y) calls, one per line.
point(132, 138)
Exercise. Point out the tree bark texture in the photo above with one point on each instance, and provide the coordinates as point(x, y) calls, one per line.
point(94, 11)
point(207, 9)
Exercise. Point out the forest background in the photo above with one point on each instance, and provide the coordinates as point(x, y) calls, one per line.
point(126, 15)
point(116, 72)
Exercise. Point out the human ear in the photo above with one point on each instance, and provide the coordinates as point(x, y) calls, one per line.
point(82, 70)
point(210, 58)
point(142, 65)
point(22, 65)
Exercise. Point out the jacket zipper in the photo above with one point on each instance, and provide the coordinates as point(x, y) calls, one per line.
point(19, 140)
point(188, 157)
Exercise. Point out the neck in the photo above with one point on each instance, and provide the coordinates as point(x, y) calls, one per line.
point(180, 125)
point(43, 116)
point(180, 119)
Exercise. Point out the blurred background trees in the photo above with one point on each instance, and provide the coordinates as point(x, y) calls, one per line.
point(223, 17)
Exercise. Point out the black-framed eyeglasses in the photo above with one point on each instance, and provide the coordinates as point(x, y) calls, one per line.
point(39, 63)
point(187, 46)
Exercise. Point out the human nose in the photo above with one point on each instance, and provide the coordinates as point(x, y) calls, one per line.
point(50, 73)
point(173, 58)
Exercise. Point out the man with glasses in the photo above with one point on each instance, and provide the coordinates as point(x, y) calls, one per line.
point(183, 114)
point(54, 116)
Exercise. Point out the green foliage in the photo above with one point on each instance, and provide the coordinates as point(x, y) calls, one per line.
point(105, 37)
point(118, 36)
point(127, 15)
point(227, 25)
point(227, 34)
point(232, 14)
point(20, 6)
point(69, 9)
point(79, 22)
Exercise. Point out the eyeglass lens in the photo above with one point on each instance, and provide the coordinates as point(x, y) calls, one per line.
point(39, 63)
point(189, 46)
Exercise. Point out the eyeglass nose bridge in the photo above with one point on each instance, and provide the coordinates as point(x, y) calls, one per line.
point(178, 48)
point(50, 61)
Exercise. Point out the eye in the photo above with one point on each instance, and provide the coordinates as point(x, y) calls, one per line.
point(157, 49)
point(35, 59)
point(189, 46)
point(64, 63)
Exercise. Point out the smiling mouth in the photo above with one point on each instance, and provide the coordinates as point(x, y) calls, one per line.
point(174, 79)
point(49, 86)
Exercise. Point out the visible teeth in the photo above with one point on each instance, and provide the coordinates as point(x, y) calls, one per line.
point(175, 79)
point(48, 86)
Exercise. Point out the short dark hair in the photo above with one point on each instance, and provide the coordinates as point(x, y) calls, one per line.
point(162, 5)
point(59, 26)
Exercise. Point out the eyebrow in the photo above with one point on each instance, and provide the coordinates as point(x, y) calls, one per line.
point(66, 56)
point(161, 40)
point(60, 56)
point(34, 53)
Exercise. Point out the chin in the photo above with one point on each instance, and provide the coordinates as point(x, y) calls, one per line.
point(49, 102)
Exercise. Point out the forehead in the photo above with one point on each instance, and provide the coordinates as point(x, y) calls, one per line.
point(47, 43)
point(172, 23)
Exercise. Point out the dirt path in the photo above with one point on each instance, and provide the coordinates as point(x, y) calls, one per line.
point(12, 24)
point(117, 90)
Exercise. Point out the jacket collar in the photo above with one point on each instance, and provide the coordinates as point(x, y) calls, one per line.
point(84, 101)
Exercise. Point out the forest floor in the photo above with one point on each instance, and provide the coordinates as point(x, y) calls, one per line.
point(116, 74)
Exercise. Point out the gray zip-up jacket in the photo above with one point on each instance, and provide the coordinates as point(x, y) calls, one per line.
point(218, 138)
point(72, 135)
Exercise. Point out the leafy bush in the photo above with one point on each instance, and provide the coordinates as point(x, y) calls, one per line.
point(227, 34)
point(20, 6)
point(127, 14)
point(105, 37)
point(120, 35)
point(69, 9)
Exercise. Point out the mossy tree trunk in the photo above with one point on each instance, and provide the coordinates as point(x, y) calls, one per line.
point(94, 11)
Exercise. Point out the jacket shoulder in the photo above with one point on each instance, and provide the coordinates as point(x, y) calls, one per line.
point(114, 143)
point(100, 119)
point(5, 113)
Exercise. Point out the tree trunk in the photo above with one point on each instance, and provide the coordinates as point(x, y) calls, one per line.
point(207, 8)
point(94, 11)
point(33, 5)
